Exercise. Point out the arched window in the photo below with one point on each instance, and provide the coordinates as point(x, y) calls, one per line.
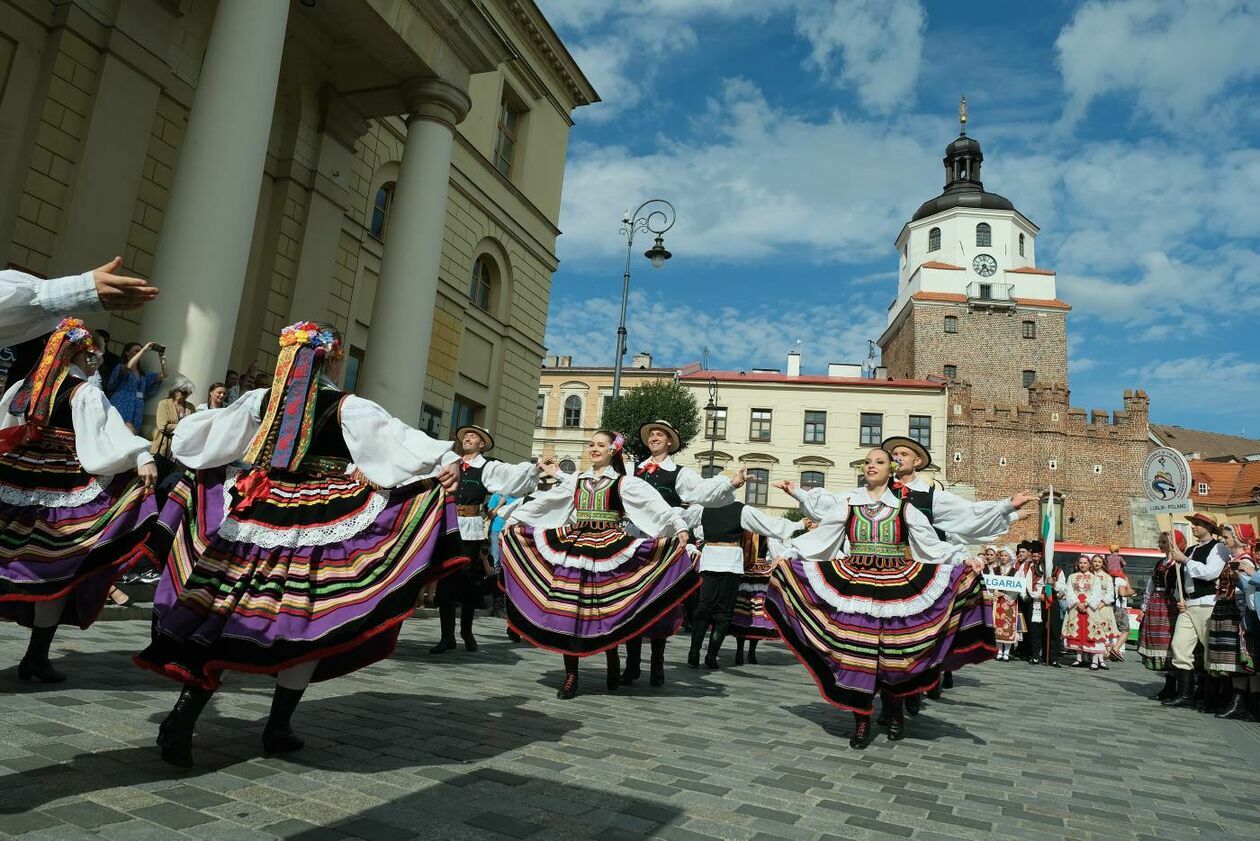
point(481, 283)
point(984, 235)
point(812, 479)
point(380, 211)
point(1021, 245)
point(934, 239)
point(573, 411)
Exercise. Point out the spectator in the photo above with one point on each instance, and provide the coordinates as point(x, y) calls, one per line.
point(1080, 633)
point(216, 397)
point(1102, 617)
point(129, 385)
point(496, 506)
point(170, 411)
point(244, 383)
point(110, 361)
point(231, 382)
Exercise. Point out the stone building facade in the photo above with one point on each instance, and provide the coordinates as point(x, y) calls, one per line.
point(390, 166)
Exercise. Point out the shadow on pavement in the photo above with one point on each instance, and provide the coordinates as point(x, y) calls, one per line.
point(105, 670)
point(922, 727)
point(500, 652)
point(680, 681)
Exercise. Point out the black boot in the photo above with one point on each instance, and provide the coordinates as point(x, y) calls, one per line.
point(35, 665)
point(698, 632)
point(1218, 694)
point(614, 668)
point(715, 646)
point(466, 614)
point(570, 686)
point(913, 704)
point(176, 732)
point(1170, 688)
point(634, 661)
point(861, 731)
point(446, 618)
point(752, 651)
point(947, 680)
point(657, 677)
point(739, 651)
point(896, 718)
point(1201, 684)
point(1185, 690)
point(278, 735)
point(1237, 709)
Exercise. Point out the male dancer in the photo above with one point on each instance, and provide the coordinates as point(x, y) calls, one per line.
point(478, 478)
point(722, 560)
point(679, 487)
point(1044, 613)
point(32, 306)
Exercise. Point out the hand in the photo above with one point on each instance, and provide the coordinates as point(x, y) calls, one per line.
point(741, 476)
point(448, 478)
point(148, 346)
point(1023, 513)
point(1181, 606)
point(549, 467)
point(684, 536)
point(1140, 614)
point(116, 292)
point(787, 486)
point(1247, 567)
point(1022, 498)
point(148, 475)
point(975, 565)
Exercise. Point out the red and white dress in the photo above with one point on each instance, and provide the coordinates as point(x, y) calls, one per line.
point(1083, 595)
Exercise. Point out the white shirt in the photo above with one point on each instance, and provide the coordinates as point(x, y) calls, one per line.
point(731, 558)
point(31, 306)
point(1208, 570)
point(384, 449)
point(498, 478)
point(103, 444)
point(644, 507)
point(692, 488)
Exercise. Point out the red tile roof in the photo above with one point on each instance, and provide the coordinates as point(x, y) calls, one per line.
point(937, 264)
point(955, 297)
point(1229, 482)
point(809, 379)
point(1030, 270)
point(958, 298)
point(1053, 303)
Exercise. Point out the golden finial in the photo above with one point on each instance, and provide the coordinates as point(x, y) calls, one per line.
point(962, 115)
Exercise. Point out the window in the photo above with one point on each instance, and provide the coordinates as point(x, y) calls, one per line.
point(757, 488)
point(715, 424)
point(604, 402)
point(812, 479)
point(984, 235)
point(380, 211)
point(986, 292)
point(463, 412)
point(1030, 329)
point(1021, 245)
point(759, 425)
point(709, 471)
point(815, 427)
point(872, 429)
point(1203, 489)
point(951, 324)
point(921, 429)
point(540, 409)
point(479, 284)
point(572, 411)
point(934, 239)
point(505, 141)
point(567, 466)
point(430, 420)
point(354, 365)
point(1058, 514)
point(1030, 377)
point(951, 372)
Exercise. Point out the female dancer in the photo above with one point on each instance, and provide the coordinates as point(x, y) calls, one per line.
point(1159, 615)
point(73, 513)
point(1103, 618)
point(576, 581)
point(297, 566)
point(875, 603)
point(1007, 620)
point(1228, 658)
point(1083, 596)
point(749, 622)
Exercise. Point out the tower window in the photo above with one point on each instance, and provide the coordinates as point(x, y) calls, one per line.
point(951, 324)
point(934, 239)
point(1030, 377)
point(984, 235)
point(951, 372)
point(1030, 329)
point(1021, 245)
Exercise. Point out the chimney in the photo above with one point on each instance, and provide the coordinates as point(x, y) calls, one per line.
point(794, 364)
point(642, 359)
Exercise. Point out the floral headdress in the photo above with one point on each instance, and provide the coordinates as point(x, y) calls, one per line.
point(618, 442)
point(39, 391)
point(287, 423)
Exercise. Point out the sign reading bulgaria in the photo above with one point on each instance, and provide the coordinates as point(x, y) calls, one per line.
point(1011, 583)
point(1166, 481)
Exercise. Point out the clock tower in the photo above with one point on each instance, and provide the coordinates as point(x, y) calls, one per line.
point(972, 306)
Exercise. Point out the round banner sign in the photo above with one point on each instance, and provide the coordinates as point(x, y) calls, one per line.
point(1166, 476)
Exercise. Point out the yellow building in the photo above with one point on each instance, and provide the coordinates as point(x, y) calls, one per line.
point(392, 166)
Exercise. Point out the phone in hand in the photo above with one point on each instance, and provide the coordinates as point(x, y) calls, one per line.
point(159, 349)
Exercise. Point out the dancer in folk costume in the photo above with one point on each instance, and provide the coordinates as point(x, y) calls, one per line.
point(680, 487)
point(1083, 595)
point(1200, 569)
point(578, 582)
point(478, 479)
point(1008, 622)
point(1229, 657)
point(749, 622)
point(728, 534)
point(305, 563)
point(76, 500)
point(1159, 615)
point(875, 603)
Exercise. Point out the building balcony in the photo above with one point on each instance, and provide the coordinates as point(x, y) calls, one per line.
point(984, 294)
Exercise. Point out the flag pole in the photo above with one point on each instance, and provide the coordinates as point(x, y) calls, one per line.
point(1048, 530)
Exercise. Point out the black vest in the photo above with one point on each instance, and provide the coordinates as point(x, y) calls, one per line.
point(663, 482)
point(61, 417)
point(923, 500)
point(327, 441)
point(1200, 587)
point(470, 491)
point(722, 525)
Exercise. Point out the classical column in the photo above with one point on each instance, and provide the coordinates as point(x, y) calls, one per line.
point(208, 226)
point(406, 297)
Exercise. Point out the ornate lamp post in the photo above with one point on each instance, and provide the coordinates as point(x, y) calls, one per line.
point(711, 413)
point(654, 216)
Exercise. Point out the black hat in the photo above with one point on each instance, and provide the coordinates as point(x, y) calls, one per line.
point(1038, 546)
point(1024, 544)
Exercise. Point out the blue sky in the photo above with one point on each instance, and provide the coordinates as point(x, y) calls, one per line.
point(796, 137)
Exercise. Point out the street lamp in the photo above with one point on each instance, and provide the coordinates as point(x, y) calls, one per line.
point(654, 216)
point(711, 412)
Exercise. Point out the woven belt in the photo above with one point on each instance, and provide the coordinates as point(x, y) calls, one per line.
point(598, 525)
point(734, 543)
point(469, 510)
point(877, 561)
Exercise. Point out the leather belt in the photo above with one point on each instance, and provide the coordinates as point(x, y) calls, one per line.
point(469, 510)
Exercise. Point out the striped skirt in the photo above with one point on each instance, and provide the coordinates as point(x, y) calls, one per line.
point(861, 630)
point(1155, 634)
point(1225, 652)
point(750, 620)
point(65, 533)
point(580, 591)
point(321, 568)
point(1008, 622)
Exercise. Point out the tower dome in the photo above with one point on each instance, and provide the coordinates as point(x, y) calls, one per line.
point(963, 187)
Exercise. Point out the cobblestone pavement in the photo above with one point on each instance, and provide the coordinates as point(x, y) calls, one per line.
point(477, 746)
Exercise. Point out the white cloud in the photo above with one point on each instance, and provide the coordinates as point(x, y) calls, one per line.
point(1180, 58)
point(1213, 385)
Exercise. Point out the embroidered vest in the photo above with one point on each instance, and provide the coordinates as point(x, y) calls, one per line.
point(327, 452)
point(664, 482)
point(470, 490)
point(877, 534)
point(1199, 587)
point(598, 505)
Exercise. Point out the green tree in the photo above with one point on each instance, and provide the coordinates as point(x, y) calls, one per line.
point(661, 400)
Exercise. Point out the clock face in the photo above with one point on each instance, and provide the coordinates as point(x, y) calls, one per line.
point(984, 265)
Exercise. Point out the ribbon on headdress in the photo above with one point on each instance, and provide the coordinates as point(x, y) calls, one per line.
point(38, 393)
